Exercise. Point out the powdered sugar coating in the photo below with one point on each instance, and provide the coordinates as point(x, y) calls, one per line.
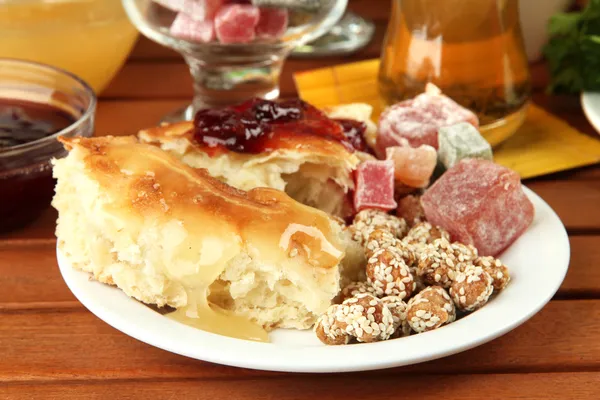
point(418, 120)
point(236, 23)
point(412, 166)
point(198, 10)
point(461, 141)
point(187, 28)
point(375, 186)
point(479, 203)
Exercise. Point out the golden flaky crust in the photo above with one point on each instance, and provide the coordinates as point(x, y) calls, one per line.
point(135, 216)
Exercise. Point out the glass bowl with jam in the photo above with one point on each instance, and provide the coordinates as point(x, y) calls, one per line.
point(38, 103)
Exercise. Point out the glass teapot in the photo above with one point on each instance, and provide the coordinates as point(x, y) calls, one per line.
point(471, 49)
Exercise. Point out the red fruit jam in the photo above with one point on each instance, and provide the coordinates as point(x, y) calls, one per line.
point(26, 182)
point(258, 126)
point(355, 133)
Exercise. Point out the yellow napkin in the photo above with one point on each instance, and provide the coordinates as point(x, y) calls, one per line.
point(543, 145)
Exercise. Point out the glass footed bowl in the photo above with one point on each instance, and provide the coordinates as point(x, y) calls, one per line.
point(226, 74)
point(26, 182)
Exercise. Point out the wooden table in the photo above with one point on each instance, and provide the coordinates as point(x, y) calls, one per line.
point(51, 347)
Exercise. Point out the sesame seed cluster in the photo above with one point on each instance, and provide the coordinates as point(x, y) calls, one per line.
point(366, 221)
point(417, 280)
point(441, 260)
point(364, 318)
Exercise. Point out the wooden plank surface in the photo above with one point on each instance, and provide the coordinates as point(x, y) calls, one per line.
point(556, 386)
point(575, 201)
point(29, 275)
point(562, 337)
point(583, 277)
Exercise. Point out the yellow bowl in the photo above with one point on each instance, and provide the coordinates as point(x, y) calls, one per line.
point(90, 38)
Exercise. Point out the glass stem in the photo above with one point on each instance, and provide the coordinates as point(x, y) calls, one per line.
point(222, 84)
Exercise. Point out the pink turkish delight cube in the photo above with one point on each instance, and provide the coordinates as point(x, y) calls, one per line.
point(413, 166)
point(199, 10)
point(375, 186)
point(204, 10)
point(236, 23)
point(272, 23)
point(418, 120)
point(186, 28)
point(479, 203)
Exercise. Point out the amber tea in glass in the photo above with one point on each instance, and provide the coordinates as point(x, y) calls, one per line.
point(471, 49)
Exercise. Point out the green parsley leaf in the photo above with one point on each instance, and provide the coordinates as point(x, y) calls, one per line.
point(573, 51)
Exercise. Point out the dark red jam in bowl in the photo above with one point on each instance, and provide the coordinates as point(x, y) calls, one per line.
point(26, 183)
point(258, 126)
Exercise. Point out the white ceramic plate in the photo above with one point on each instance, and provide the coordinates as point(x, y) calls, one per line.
point(590, 102)
point(538, 262)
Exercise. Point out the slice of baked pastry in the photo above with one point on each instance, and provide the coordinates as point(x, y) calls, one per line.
point(302, 154)
point(166, 234)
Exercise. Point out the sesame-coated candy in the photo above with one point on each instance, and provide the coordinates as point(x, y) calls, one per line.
point(439, 260)
point(382, 219)
point(463, 252)
point(380, 239)
point(409, 254)
point(366, 221)
point(471, 288)
point(425, 233)
point(398, 309)
point(329, 330)
point(354, 289)
point(389, 275)
point(430, 309)
point(383, 239)
point(366, 318)
point(497, 270)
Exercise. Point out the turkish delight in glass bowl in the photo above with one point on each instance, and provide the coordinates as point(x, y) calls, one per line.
point(235, 48)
